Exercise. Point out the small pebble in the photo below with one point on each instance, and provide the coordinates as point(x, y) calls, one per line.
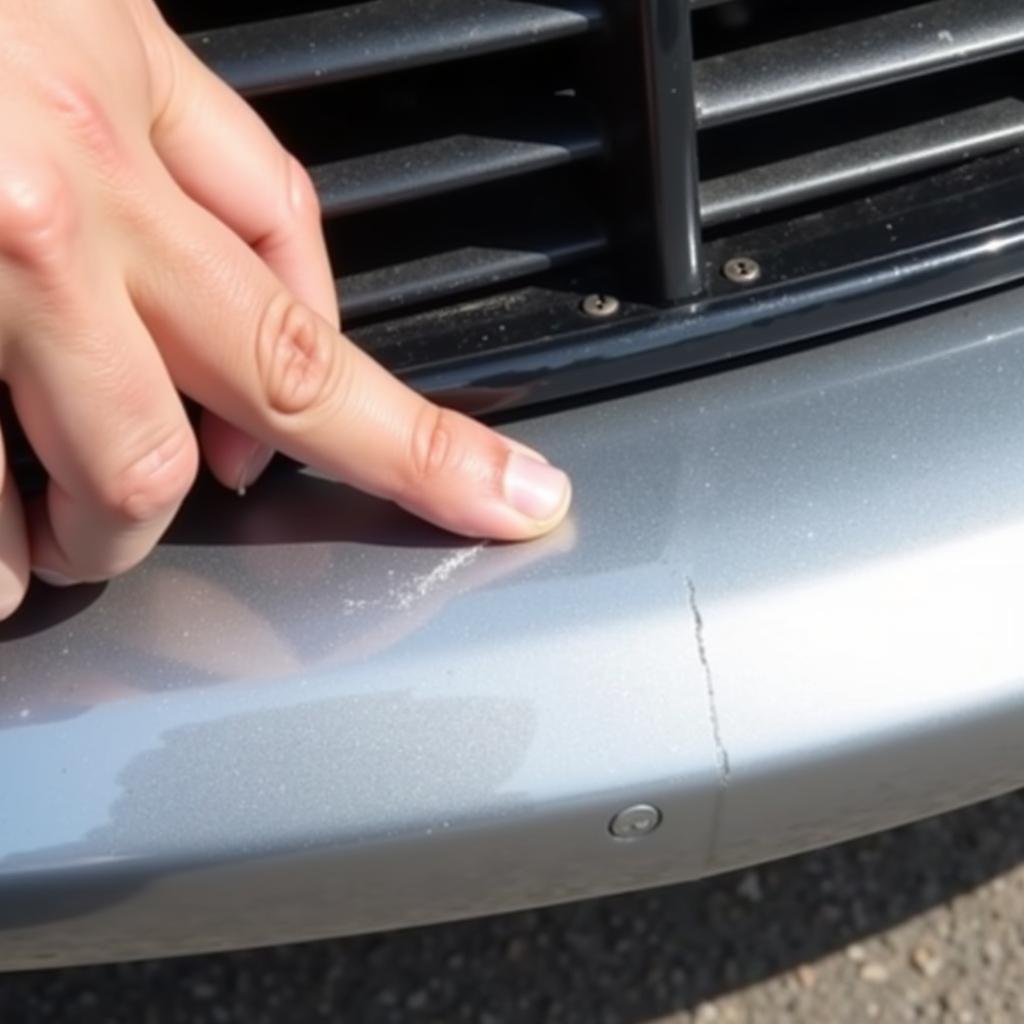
point(874, 973)
point(806, 975)
point(992, 952)
point(927, 961)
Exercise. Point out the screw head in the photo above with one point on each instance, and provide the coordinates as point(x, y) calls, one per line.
point(635, 822)
point(742, 270)
point(600, 306)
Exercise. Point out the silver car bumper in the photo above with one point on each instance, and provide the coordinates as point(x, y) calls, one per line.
point(789, 610)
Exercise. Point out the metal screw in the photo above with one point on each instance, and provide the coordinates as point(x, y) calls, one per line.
point(600, 306)
point(635, 822)
point(742, 270)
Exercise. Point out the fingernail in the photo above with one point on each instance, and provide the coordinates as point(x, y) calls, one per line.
point(535, 489)
point(52, 578)
point(253, 468)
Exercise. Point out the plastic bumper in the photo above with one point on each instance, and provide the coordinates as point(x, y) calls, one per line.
point(788, 611)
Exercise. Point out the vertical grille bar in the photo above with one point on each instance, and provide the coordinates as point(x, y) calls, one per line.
point(672, 134)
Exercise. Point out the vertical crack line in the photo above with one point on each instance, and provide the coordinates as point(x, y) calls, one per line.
point(721, 752)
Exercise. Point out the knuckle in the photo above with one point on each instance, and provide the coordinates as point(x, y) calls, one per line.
point(151, 487)
point(435, 453)
point(84, 117)
point(299, 363)
point(37, 213)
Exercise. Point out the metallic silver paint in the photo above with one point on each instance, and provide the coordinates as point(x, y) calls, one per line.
point(788, 611)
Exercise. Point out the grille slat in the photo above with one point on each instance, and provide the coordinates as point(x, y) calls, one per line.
point(864, 162)
point(455, 162)
point(893, 47)
point(467, 269)
point(380, 36)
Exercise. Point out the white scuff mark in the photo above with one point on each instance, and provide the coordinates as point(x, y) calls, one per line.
point(946, 36)
point(420, 587)
point(410, 592)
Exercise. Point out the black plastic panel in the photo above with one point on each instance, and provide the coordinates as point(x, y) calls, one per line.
point(928, 242)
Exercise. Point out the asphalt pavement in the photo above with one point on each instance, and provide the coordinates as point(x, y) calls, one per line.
point(925, 923)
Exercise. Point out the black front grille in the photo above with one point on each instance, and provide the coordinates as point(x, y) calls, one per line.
point(483, 165)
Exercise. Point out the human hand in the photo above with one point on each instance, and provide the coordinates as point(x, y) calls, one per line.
point(155, 239)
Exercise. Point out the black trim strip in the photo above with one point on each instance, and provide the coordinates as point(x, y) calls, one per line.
point(449, 274)
point(456, 162)
point(864, 162)
point(920, 40)
point(381, 36)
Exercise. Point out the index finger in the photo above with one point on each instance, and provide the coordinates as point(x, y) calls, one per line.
point(240, 343)
point(221, 154)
